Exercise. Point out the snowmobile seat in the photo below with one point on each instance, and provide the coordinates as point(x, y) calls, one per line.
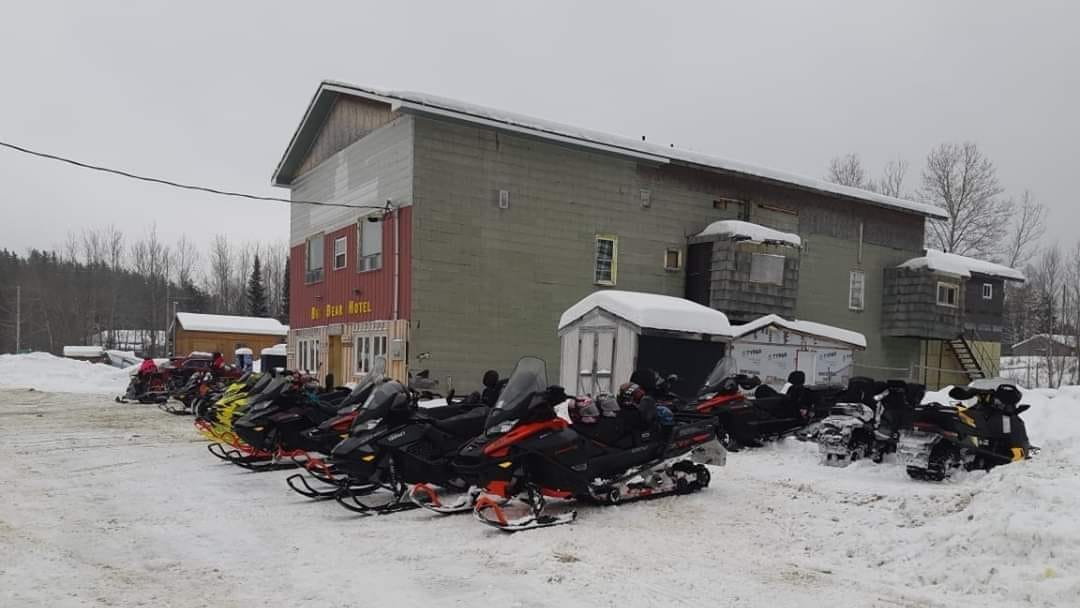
point(465, 424)
point(765, 392)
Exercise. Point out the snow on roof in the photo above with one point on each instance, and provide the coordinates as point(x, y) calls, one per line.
point(651, 311)
point(1061, 339)
point(536, 127)
point(746, 231)
point(231, 324)
point(243, 350)
point(83, 351)
point(963, 266)
point(277, 350)
point(820, 330)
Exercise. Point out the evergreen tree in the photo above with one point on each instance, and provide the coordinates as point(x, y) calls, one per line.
point(285, 294)
point(256, 294)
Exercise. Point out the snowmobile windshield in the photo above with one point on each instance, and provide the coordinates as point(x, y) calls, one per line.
point(260, 385)
point(363, 386)
point(272, 391)
point(378, 403)
point(528, 378)
point(725, 368)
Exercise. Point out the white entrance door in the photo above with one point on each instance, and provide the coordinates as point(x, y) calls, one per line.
point(596, 361)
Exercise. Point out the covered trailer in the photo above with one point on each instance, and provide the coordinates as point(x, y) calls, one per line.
point(610, 333)
point(772, 347)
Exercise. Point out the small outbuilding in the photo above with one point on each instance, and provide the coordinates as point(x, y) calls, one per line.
point(608, 334)
point(224, 333)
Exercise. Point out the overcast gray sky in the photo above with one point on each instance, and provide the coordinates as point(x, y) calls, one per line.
point(211, 92)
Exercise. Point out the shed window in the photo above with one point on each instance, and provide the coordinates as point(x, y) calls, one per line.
point(605, 266)
point(368, 348)
point(340, 253)
point(314, 259)
point(857, 290)
point(767, 268)
point(369, 250)
point(948, 294)
point(673, 259)
point(988, 291)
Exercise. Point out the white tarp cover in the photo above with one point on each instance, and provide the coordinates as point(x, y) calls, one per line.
point(231, 324)
point(809, 328)
point(771, 353)
point(83, 351)
point(962, 266)
point(651, 311)
point(747, 231)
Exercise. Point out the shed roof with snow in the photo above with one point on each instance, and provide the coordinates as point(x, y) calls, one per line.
point(738, 230)
point(962, 266)
point(231, 324)
point(430, 105)
point(651, 311)
point(806, 328)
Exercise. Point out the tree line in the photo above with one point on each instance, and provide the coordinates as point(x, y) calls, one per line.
point(102, 284)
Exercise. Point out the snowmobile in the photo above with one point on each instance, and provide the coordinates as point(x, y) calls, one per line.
point(273, 429)
point(215, 420)
point(751, 412)
point(395, 443)
point(150, 383)
point(528, 451)
point(866, 420)
point(947, 438)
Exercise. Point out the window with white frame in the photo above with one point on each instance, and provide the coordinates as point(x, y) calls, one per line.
point(313, 259)
point(767, 268)
point(673, 259)
point(856, 290)
point(340, 252)
point(369, 245)
point(307, 357)
point(606, 261)
point(988, 291)
point(948, 294)
point(367, 349)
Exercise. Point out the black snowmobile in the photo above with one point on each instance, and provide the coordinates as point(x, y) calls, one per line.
point(866, 420)
point(291, 425)
point(527, 450)
point(947, 438)
point(394, 442)
point(750, 412)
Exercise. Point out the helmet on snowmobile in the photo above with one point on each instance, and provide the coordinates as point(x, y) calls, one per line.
point(630, 394)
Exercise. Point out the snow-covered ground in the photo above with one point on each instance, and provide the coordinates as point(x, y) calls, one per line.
point(121, 505)
point(45, 372)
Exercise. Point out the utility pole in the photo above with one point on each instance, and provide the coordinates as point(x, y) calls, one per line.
point(18, 317)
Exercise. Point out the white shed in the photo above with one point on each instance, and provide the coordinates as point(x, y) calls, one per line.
point(772, 347)
point(610, 333)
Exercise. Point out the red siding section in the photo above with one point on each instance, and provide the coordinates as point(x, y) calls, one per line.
point(348, 296)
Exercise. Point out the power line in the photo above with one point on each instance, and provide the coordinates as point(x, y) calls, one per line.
point(173, 184)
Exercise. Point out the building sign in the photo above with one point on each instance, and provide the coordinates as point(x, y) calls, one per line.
point(332, 311)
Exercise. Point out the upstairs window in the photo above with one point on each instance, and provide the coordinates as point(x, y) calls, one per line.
point(369, 248)
point(857, 290)
point(605, 265)
point(673, 259)
point(313, 259)
point(948, 294)
point(767, 268)
point(340, 252)
point(988, 291)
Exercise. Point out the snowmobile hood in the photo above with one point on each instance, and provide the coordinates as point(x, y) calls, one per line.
point(365, 385)
point(389, 398)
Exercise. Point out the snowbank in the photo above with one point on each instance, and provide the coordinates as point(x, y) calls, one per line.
point(45, 372)
point(962, 266)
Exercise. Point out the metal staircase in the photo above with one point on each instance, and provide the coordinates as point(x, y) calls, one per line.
point(965, 354)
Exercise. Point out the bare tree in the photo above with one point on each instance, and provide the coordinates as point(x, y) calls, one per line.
point(186, 260)
point(1048, 285)
point(963, 182)
point(220, 279)
point(1028, 226)
point(847, 170)
point(892, 178)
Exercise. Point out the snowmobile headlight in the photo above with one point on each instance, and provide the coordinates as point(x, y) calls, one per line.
point(259, 429)
point(503, 427)
point(367, 457)
point(706, 396)
point(506, 465)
